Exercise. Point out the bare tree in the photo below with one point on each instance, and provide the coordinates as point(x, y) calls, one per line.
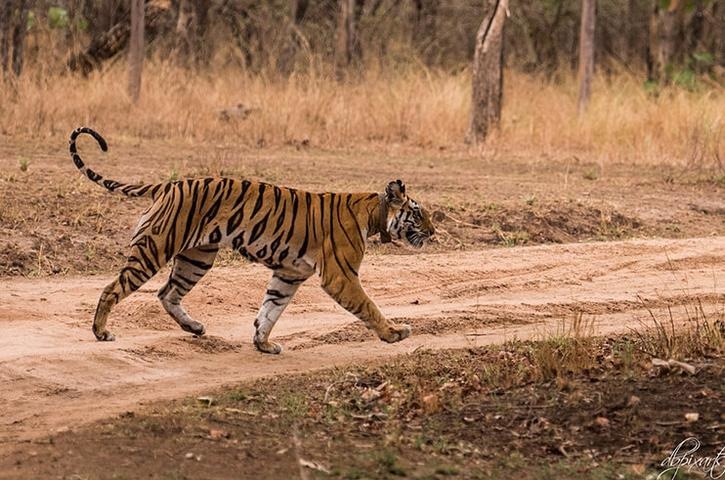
point(191, 27)
point(664, 29)
point(13, 27)
point(348, 44)
point(5, 29)
point(586, 52)
point(285, 62)
point(21, 27)
point(136, 49)
point(425, 13)
point(487, 75)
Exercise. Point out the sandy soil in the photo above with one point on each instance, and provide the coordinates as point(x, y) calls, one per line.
point(55, 376)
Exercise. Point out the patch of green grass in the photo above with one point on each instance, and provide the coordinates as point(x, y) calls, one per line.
point(295, 405)
point(447, 470)
point(387, 460)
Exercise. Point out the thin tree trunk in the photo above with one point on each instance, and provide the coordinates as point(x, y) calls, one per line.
point(21, 27)
point(285, 62)
point(423, 33)
point(487, 81)
point(586, 52)
point(630, 33)
point(6, 9)
point(136, 50)
point(663, 31)
point(183, 36)
point(348, 45)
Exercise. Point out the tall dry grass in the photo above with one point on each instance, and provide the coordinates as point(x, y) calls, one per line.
point(416, 107)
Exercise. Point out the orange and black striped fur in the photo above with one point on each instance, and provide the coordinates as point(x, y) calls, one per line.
point(294, 233)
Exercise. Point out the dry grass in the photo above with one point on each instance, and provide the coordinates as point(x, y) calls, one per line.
point(416, 107)
point(702, 334)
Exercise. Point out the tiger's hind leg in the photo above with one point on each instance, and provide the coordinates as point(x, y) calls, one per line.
point(142, 264)
point(280, 291)
point(189, 266)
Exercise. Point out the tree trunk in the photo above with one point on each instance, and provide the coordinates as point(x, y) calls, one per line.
point(183, 24)
point(191, 25)
point(586, 52)
point(424, 26)
point(286, 60)
point(13, 27)
point(5, 29)
point(21, 27)
point(487, 81)
point(348, 44)
point(136, 49)
point(664, 28)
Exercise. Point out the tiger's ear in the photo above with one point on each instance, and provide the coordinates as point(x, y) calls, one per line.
point(395, 194)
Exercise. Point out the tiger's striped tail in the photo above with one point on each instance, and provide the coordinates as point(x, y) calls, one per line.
point(143, 190)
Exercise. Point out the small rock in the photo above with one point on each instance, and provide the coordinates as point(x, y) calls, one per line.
point(431, 403)
point(602, 422)
point(189, 456)
point(692, 417)
point(633, 401)
point(370, 394)
point(216, 434)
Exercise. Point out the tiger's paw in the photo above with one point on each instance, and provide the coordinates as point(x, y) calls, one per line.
point(397, 333)
point(104, 336)
point(194, 327)
point(268, 347)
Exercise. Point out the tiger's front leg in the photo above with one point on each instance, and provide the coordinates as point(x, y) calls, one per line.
point(349, 293)
point(280, 291)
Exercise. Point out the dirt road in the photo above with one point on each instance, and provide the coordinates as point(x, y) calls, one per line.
point(54, 375)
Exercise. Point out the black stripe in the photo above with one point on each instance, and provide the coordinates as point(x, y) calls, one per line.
point(277, 196)
point(235, 220)
point(354, 217)
point(339, 220)
point(280, 220)
point(332, 235)
point(295, 206)
point(240, 198)
point(258, 229)
point(142, 190)
point(171, 239)
point(238, 241)
point(215, 236)
point(192, 213)
point(275, 245)
point(290, 281)
point(196, 263)
point(77, 161)
point(260, 198)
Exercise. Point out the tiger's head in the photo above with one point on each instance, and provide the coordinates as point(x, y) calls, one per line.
point(410, 220)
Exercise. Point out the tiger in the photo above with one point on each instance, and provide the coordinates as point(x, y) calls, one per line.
point(294, 233)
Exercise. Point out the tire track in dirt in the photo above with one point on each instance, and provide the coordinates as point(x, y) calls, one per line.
point(54, 375)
